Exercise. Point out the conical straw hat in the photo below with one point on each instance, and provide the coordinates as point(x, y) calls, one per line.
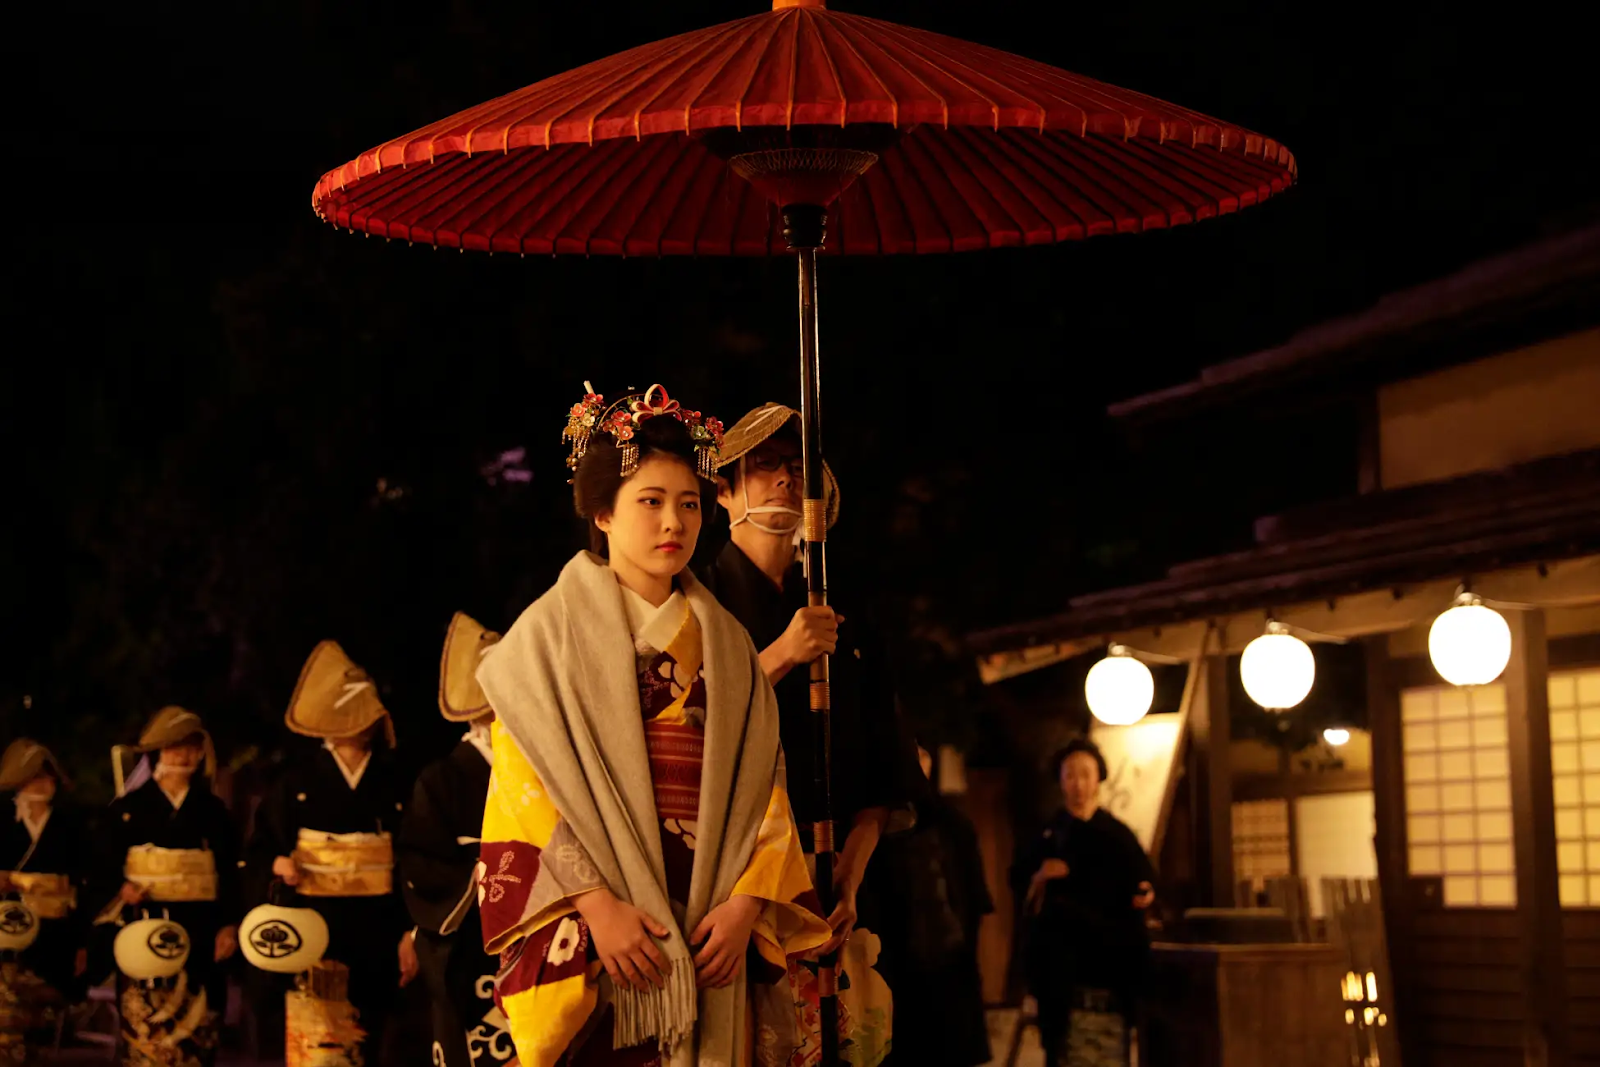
point(756, 427)
point(24, 760)
point(334, 698)
point(461, 699)
point(171, 725)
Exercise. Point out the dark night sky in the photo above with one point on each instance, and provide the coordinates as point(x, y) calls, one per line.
point(205, 384)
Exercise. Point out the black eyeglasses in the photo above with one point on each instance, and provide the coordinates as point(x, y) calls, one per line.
point(768, 462)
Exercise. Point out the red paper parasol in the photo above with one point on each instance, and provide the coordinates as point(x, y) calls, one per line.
point(745, 138)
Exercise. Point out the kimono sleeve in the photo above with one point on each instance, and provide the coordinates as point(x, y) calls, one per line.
point(223, 838)
point(436, 872)
point(790, 922)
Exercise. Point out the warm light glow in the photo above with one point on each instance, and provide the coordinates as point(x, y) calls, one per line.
point(1349, 1015)
point(1120, 689)
point(1383, 1020)
point(1336, 736)
point(1372, 986)
point(1277, 668)
point(1470, 644)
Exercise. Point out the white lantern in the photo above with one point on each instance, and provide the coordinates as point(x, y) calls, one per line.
point(19, 926)
point(1277, 668)
point(283, 940)
point(1336, 736)
point(151, 948)
point(1470, 644)
point(1120, 689)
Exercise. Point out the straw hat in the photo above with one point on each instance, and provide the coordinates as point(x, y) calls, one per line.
point(334, 698)
point(25, 760)
point(756, 427)
point(171, 725)
point(461, 699)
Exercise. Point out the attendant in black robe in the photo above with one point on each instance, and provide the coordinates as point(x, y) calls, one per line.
point(173, 809)
point(344, 786)
point(437, 856)
point(934, 875)
point(46, 839)
point(757, 577)
point(1089, 882)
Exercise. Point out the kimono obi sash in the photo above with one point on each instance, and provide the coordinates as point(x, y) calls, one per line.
point(172, 874)
point(51, 896)
point(676, 751)
point(344, 865)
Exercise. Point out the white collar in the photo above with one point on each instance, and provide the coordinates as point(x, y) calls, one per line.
point(479, 737)
point(175, 801)
point(32, 815)
point(351, 777)
point(654, 626)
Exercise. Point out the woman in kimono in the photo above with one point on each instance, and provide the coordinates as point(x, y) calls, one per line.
point(642, 876)
point(325, 829)
point(42, 862)
point(437, 855)
point(168, 847)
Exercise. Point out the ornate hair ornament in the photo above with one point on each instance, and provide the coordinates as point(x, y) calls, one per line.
point(622, 419)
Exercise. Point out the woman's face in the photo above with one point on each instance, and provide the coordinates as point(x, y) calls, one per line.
point(1080, 783)
point(40, 789)
point(655, 523)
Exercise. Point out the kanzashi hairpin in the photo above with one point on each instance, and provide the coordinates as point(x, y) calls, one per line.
point(622, 420)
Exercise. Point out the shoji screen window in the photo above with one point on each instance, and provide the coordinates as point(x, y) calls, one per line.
point(1458, 792)
point(1575, 766)
point(1260, 841)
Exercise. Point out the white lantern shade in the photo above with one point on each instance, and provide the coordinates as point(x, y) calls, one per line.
point(19, 926)
point(1470, 644)
point(1277, 669)
point(151, 948)
point(1336, 736)
point(283, 940)
point(1119, 689)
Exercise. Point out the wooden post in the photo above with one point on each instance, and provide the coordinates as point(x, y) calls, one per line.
point(1541, 955)
point(1389, 811)
point(1212, 793)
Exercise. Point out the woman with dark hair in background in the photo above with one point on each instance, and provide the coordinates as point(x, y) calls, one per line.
point(1088, 883)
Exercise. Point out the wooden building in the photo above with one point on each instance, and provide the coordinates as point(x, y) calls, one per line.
point(1469, 415)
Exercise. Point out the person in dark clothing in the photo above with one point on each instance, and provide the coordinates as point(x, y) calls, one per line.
point(934, 874)
point(757, 578)
point(168, 847)
point(324, 829)
point(41, 861)
point(437, 857)
point(1089, 883)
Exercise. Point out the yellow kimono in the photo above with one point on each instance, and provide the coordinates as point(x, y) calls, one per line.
point(548, 985)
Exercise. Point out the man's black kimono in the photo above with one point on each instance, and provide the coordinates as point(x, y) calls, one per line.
point(146, 816)
point(62, 848)
point(363, 932)
point(438, 855)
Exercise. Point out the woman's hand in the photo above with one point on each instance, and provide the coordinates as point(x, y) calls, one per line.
point(622, 936)
point(1050, 870)
point(286, 868)
point(227, 943)
point(409, 964)
point(725, 932)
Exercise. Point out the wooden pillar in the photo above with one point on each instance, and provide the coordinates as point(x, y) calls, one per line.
point(1389, 812)
point(1541, 955)
point(1211, 796)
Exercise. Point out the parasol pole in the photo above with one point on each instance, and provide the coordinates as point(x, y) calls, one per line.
point(804, 229)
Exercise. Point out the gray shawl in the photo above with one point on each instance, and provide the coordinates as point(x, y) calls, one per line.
point(564, 684)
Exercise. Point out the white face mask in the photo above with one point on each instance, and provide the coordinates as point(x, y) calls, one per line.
point(794, 531)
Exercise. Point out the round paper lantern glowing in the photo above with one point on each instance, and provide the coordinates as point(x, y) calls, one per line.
point(1120, 689)
point(1277, 668)
point(19, 926)
point(283, 940)
point(151, 948)
point(1336, 736)
point(1470, 644)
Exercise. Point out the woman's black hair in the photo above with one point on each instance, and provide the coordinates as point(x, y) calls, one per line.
point(1081, 744)
point(598, 479)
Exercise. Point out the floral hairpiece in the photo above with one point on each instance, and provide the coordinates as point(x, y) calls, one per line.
point(621, 420)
